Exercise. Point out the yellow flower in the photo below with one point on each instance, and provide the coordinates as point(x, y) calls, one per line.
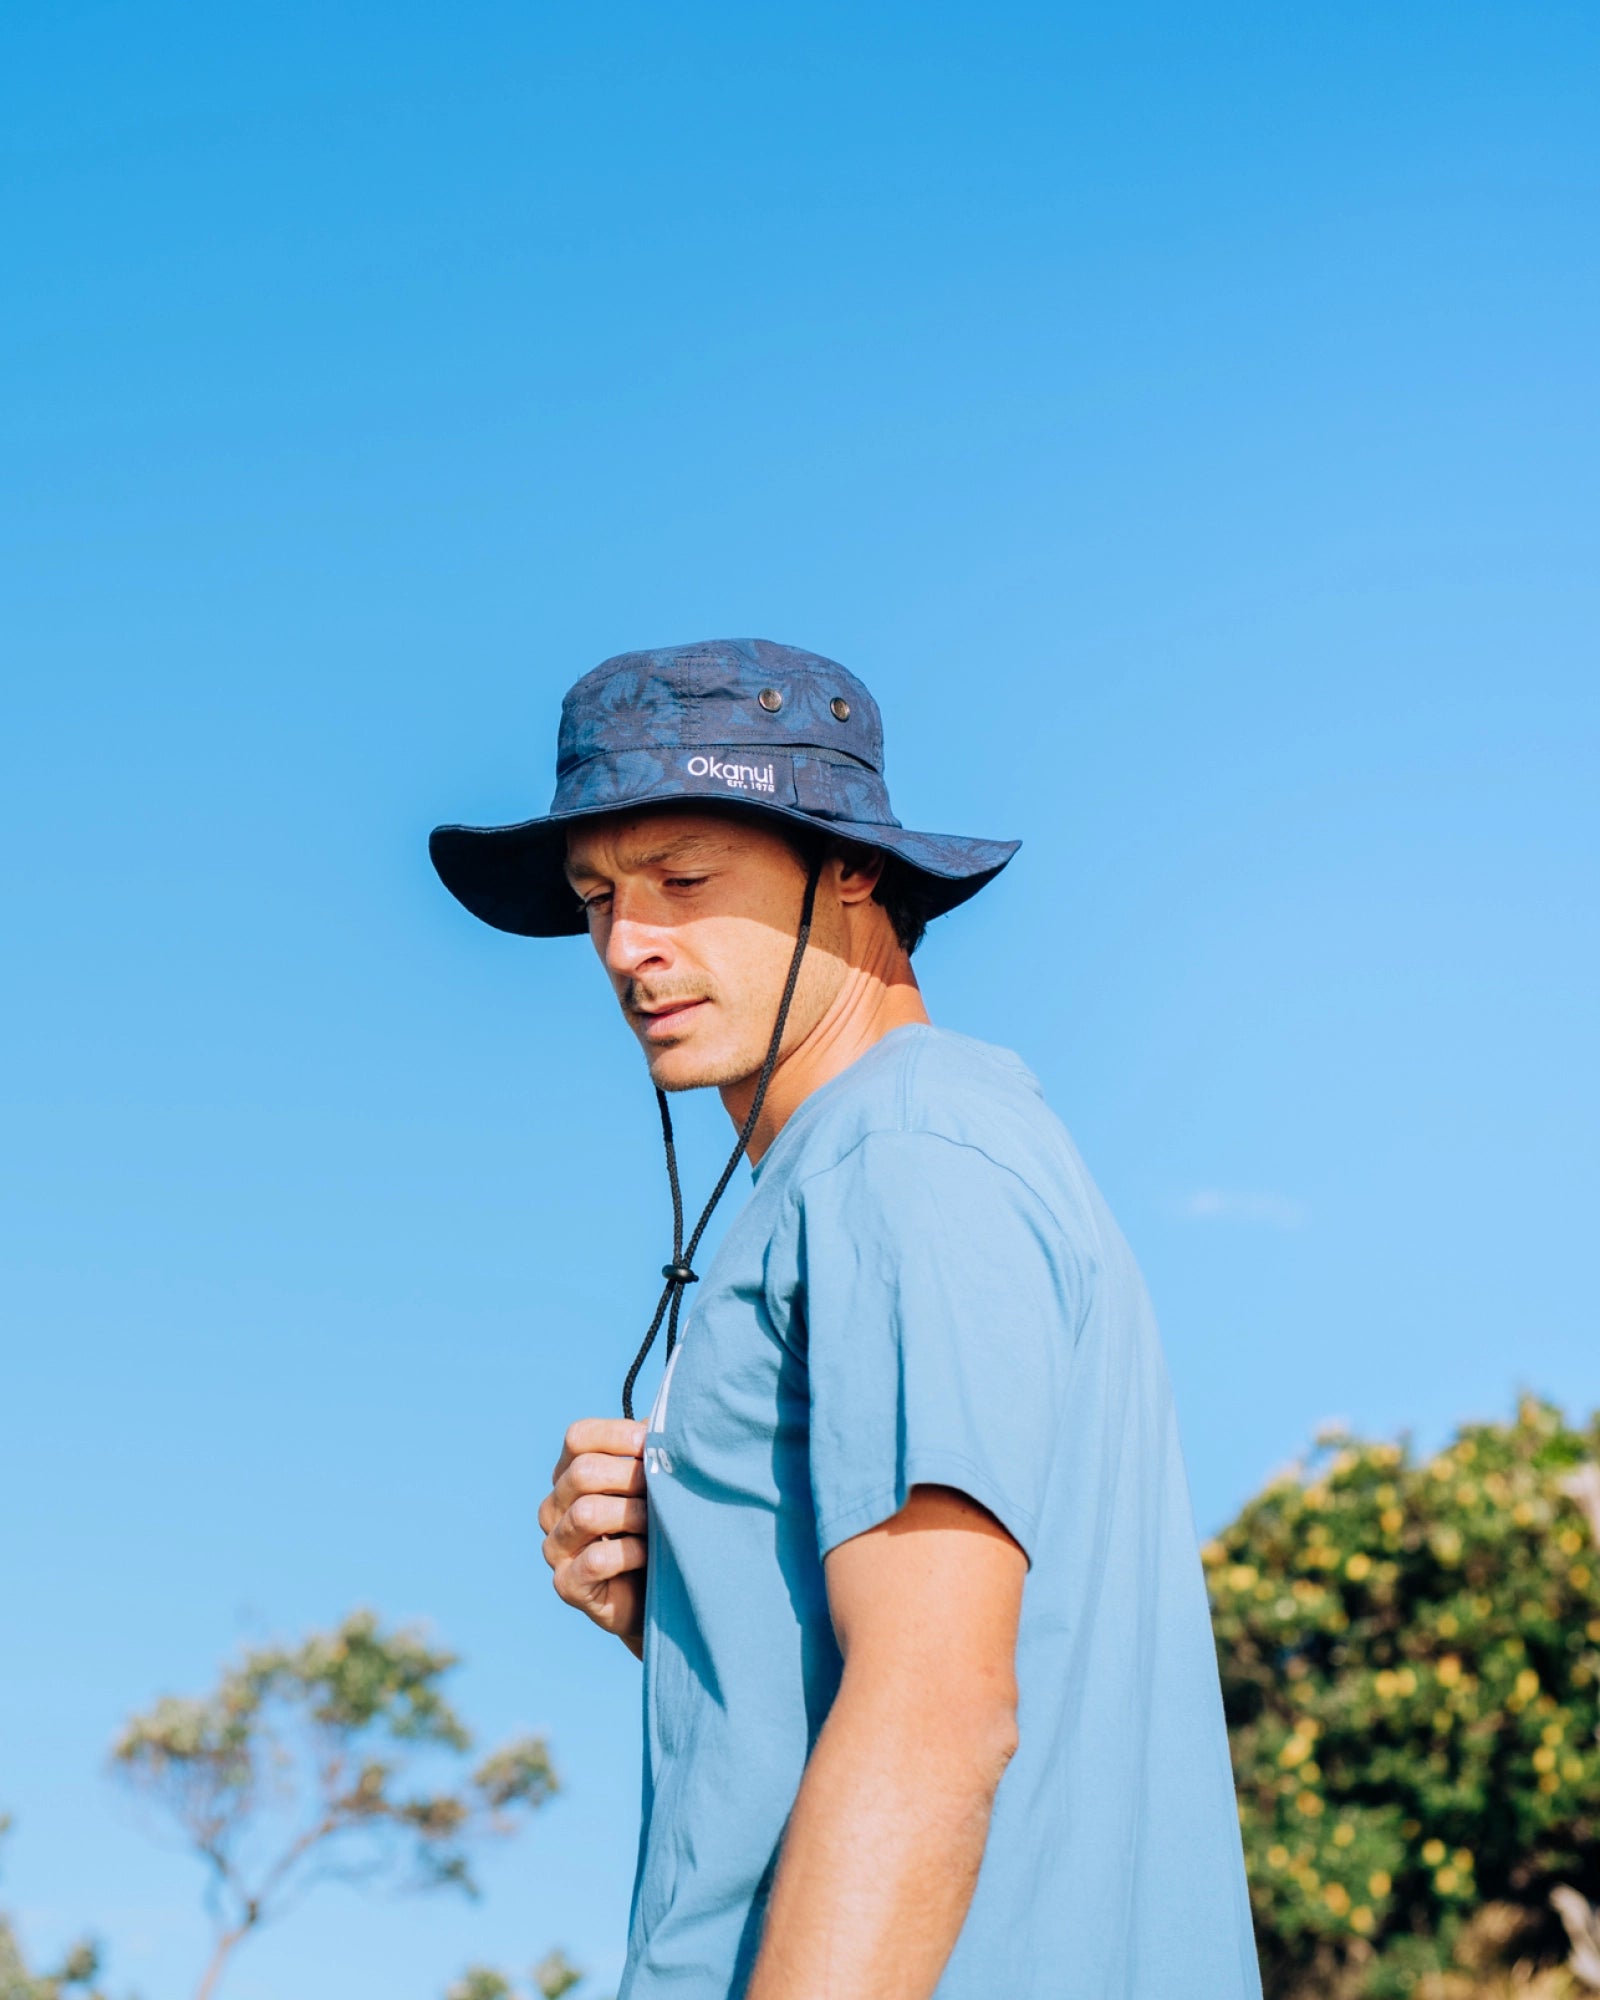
point(1433, 1852)
point(1522, 1513)
point(1337, 1898)
point(1572, 1770)
point(1391, 1520)
point(1553, 1732)
point(1544, 1758)
point(1569, 1541)
point(1309, 1803)
point(1295, 1751)
point(1407, 1681)
point(1449, 1670)
point(1466, 1493)
point(1445, 1880)
point(1241, 1577)
point(1358, 1566)
point(1343, 1834)
point(1549, 1782)
point(1593, 1630)
point(1378, 1882)
point(1361, 1919)
point(1462, 1858)
point(1277, 1857)
point(1212, 1554)
point(1527, 1684)
point(1449, 1625)
point(1580, 1576)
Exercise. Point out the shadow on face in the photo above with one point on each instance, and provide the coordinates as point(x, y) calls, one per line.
point(694, 915)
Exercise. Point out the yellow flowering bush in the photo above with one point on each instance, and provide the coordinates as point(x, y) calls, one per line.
point(1410, 1659)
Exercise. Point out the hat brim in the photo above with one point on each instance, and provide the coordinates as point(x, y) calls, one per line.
point(514, 877)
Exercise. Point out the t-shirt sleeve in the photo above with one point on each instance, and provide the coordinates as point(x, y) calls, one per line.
point(939, 1299)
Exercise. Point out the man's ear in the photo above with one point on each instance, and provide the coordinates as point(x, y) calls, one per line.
point(860, 869)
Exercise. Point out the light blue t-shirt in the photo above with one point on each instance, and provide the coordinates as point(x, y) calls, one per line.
point(926, 1287)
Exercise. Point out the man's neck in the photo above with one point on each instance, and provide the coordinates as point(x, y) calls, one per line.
point(870, 1004)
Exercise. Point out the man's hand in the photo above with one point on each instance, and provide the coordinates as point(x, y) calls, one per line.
point(883, 1846)
point(594, 1525)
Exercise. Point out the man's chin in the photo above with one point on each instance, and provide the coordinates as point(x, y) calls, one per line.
point(685, 1067)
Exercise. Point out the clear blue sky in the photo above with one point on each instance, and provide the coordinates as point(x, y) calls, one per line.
point(1184, 418)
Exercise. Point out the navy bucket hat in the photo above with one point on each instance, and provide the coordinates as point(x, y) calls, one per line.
point(741, 722)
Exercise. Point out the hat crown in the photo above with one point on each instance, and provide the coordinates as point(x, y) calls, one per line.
point(709, 694)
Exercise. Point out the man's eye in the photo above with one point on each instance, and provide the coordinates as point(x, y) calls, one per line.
point(685, 881)
point(590, 904)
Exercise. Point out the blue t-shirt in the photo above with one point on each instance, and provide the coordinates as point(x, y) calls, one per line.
point(926, 1287)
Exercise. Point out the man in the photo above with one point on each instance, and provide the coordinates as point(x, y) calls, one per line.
point(905, 1546)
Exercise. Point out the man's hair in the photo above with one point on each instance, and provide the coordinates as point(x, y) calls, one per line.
point(899, 889)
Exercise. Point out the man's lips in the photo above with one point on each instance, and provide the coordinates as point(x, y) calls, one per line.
point(662, 1020)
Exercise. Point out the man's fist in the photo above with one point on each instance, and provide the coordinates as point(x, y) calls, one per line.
point(594, 1525)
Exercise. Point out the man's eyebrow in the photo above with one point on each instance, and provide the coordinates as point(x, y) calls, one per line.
point(686, 847)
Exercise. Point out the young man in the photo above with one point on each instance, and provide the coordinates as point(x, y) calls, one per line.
point(906, 1548)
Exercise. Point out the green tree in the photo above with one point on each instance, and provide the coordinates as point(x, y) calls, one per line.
point(339, 1757)
point(551, 1979)
point(74, 1979)
point(1410, 1658)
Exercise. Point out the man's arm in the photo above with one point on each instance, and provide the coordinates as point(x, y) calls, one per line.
point(883, 1846)
point(594, 1521)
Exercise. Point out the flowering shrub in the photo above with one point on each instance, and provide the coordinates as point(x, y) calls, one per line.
point(1410, 1660)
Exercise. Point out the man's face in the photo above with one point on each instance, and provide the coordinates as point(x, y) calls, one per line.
point(694, 916)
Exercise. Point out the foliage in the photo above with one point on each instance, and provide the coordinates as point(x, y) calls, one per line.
point(311, 1761)
point(74, 1979)
point(551, 1978)
point(1410, 1659)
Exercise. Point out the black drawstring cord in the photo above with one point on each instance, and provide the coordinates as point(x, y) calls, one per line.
point(680, 1272)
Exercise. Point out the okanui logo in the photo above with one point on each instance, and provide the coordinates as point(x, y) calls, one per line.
point(737, 777)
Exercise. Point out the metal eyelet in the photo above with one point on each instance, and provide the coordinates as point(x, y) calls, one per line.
point(770, 700)
point(841, 708)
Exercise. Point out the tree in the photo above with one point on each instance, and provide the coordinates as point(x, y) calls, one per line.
point(314, 1761)
point(1410, 1659)
point(74, 1979)
point(550, 1979)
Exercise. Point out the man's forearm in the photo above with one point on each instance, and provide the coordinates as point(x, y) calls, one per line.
point(883, 1847)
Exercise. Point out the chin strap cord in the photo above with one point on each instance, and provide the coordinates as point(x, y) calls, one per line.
point(680, 1273)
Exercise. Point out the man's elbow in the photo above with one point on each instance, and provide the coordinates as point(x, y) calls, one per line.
point(975, 1729)
point(998, 1735)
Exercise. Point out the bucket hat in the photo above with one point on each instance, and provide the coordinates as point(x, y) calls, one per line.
point(746, 722)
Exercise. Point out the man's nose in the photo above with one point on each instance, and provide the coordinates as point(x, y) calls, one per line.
point(635, 944)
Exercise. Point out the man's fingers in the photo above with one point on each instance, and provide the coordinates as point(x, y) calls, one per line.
point(583, 1580)
point(620, 1437)
point(597, 1472)
point(590, 1516)
point(602, 1560)
point(594, 1514)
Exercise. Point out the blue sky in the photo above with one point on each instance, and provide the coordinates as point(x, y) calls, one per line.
point(1184, 419)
